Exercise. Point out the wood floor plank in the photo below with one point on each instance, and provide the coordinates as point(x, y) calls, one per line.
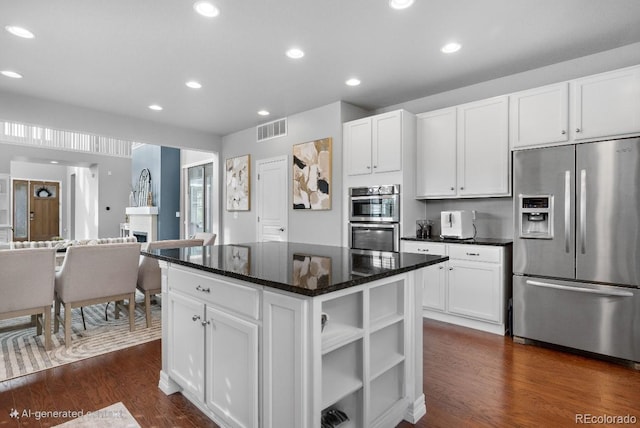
point(471, 379)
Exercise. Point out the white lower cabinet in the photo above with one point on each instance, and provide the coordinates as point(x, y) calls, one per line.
point(471, 289)
point(186, 344)
point(435, 287)
point(232, 368)
point(475, 290)
point(213, 352)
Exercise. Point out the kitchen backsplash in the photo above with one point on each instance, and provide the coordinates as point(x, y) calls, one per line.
point(494, 216)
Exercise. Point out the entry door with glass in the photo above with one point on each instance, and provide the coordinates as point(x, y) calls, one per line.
point(36, 210)
point(199, 193)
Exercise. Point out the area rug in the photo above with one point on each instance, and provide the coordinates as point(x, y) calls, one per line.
point(22, 352)
point(115, 415)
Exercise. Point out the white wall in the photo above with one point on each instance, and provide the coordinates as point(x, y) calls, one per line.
point(36, 111)
point(113, 176)
point(319, 227)
point(592, 64)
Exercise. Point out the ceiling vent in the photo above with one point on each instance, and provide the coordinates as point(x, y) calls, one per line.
point(277, 128)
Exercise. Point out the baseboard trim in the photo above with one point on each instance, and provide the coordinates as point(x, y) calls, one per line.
point(167, 385)
point(416, 410)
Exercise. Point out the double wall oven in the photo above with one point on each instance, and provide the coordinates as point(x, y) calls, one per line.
point(374, 218)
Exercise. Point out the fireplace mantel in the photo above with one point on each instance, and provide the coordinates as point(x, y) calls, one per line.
point(145, 220)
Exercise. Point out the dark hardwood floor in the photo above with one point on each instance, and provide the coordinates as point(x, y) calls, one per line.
point(470, 379)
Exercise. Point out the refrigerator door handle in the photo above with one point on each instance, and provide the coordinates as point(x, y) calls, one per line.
point(583, 211)
point(567, 211)
point(615, 293)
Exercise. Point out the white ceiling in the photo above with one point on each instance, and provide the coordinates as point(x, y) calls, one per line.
point(119, 56)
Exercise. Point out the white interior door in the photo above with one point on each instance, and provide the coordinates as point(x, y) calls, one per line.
point(272, 199)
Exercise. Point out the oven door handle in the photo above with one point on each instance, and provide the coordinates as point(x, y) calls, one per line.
point(373, 197)
point(615, 293)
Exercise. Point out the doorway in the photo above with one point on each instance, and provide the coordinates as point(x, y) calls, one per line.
point(199, 207)
point(272, 199)
point(36, 210)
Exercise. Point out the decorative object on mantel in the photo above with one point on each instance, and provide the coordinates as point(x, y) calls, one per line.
point(312, 175)
point(238, 183)
point(144, 197)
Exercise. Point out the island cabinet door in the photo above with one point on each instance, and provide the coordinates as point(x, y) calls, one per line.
point(232, 368)
point(186, 344)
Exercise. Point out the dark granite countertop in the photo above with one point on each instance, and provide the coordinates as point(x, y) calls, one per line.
point(474, 241)
point(305, 269)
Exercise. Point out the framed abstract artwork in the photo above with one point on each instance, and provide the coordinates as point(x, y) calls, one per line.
point(238, 182)
point(312, 175)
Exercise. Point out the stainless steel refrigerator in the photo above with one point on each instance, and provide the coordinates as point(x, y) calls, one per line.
point(576, 258)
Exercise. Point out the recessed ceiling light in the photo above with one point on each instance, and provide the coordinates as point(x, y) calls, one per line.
point(263, 113)
point(451, 47)
point(205, 8)
point(12, 74)
point(19, 31)
point(155, 107)
point(400, 4)
point(295, 53)
point(353, 82)
point(193, 84)
point(54, 162)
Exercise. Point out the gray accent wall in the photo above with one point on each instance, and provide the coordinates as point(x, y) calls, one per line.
point(164, 165)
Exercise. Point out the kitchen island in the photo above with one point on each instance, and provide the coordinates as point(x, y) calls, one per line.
point(280, 334)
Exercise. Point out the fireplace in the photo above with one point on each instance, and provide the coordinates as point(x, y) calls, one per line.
point(143, 223)
point(140, 236)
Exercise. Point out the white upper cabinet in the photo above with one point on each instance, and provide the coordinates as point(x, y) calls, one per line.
point(357, 140)
point(607, 104)
point(483, 148)
point(539, 116)
point(386, 144)
point(436, 153)
point(374, 144)
point(464, 151)
point(597, 107)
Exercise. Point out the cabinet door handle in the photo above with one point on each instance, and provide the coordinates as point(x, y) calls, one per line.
point(195, 318)
point(368, 167)
point(453, 188)
point(441, 267)
point(205, 323)
point(461, 188)
point(204, 290)
point(450, 268)
point(563, 132)
point(375, 166)
point(473, 254)
point(423, 250)
point(577, 129)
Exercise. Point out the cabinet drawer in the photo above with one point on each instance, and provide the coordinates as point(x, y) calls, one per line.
point(423, 247)
point(479, 253)
point(237, 298)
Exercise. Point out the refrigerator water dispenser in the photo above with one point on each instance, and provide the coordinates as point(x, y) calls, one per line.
point(536, 216)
